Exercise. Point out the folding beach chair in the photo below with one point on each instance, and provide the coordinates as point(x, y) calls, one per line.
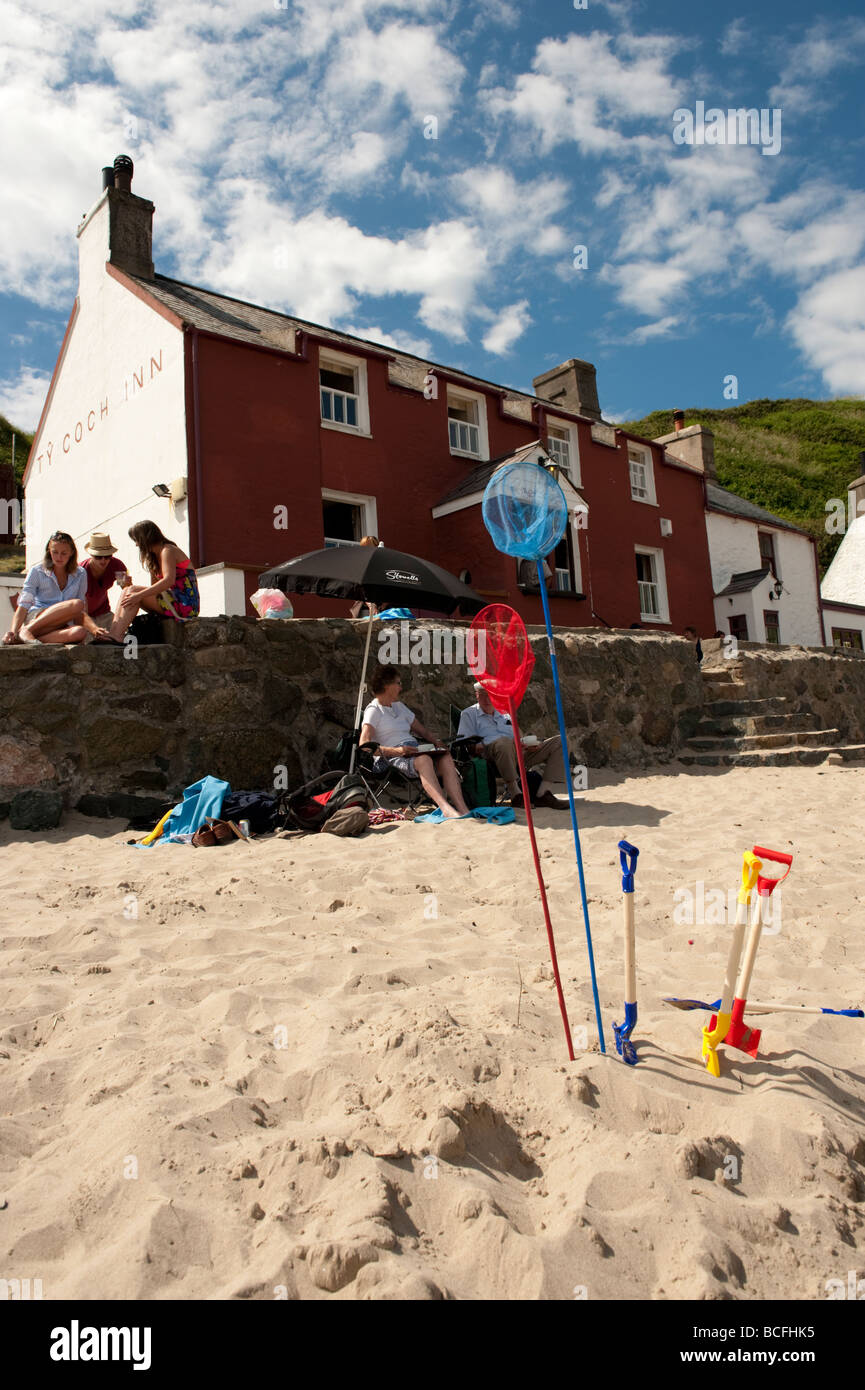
point(388, 781)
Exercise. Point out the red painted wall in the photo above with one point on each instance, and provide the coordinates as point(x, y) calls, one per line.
point(262, 446)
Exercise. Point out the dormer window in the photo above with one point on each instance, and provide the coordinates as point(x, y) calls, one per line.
point(641, 475)
point(563, 448)
point(343, 392)
point(467, 424)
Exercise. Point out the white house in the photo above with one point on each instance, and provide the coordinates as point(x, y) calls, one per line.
point(843, 587)
point(765, 571)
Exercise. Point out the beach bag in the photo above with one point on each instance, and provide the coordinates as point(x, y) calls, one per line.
point(351, 820)
point(310, 806)
point(479, 783)
point(146, 628)
point(261, 809)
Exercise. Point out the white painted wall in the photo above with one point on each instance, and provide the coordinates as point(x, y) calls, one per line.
point(843, 618)
point(734, 547)
point(222, 590)
point(117, 421)
point(10, 585)
point(844, 580)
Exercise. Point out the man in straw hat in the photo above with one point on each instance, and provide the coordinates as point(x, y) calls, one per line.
point(102, 571)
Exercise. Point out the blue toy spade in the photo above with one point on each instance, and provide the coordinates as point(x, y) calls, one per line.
point(622, 1031)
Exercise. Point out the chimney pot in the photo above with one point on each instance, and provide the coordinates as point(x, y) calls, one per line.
point(678, 420)
point(107, 177)
point(123, 168)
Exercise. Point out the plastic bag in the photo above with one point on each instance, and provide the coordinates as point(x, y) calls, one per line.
point(271, 603)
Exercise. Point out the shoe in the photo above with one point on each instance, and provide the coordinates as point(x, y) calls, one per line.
point(551, 802)
point(517, 801)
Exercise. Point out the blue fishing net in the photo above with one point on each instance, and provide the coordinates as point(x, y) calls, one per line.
point(525, 511)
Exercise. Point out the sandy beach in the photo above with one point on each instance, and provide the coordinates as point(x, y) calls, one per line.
point(332, 1068)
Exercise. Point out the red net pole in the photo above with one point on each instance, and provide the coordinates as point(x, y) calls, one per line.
point(527, 802)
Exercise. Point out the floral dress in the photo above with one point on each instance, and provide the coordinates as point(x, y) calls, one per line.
point(181, 601)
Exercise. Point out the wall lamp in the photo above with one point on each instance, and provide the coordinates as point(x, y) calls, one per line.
point(162, 489)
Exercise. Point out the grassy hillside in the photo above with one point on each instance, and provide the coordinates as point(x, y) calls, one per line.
point(787, 456)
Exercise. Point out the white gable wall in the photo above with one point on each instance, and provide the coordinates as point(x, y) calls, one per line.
point(844, 580)
point(734, 548)
point(116, 423)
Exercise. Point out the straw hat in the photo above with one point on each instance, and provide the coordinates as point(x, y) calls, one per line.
point(100, 544)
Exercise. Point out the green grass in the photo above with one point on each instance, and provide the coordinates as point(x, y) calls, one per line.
point(790, 457)
point(11, 559)
point(22, 446)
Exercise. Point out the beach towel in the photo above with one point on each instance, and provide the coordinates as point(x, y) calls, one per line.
point(495, 815)
point(204, 798)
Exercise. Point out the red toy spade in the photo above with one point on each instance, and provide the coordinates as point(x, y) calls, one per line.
point(503, 663)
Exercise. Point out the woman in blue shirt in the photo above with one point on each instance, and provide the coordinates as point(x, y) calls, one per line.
point(52, 606)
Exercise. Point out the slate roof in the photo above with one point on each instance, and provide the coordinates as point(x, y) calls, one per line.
point(744, 582)
point(251, 323)
point(718, 499)
point(476, 480)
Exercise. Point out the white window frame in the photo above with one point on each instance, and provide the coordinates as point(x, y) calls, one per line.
point(644, 459)
point(573, 441)
point(457, 393)
point(341, 361)
point(660, 583)
point(354, 499)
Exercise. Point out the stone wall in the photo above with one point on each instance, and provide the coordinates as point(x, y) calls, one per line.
point(236, 696)
point(821, 681)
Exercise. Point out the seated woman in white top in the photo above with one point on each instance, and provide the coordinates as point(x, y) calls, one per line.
point(52, 606)
point(393, 726)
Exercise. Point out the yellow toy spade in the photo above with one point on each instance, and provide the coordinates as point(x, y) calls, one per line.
point(751, 867)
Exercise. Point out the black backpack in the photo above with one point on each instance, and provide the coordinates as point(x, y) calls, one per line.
point(310, 806)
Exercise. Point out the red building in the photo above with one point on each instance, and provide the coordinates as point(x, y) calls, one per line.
point(285, 435)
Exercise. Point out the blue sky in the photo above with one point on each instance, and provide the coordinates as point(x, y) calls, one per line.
point(289, 152)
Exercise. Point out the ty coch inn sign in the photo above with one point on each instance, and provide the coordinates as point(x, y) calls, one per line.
point(88, 420)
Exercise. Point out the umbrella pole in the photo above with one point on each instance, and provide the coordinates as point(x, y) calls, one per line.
point(360, 694)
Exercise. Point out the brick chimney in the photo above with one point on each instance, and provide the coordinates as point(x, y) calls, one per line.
point(117, 229)
point(572, 385)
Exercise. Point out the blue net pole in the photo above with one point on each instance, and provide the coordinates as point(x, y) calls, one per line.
point(567, 761)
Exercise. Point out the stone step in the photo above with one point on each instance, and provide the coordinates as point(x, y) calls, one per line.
point(774, 704)
point(734, 724)
point(793, 739)
point(726, 673)
point(775, 757)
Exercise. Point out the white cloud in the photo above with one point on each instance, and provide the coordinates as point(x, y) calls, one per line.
point(23, 396)
point(735, 36)
point(510, 324)
point(806, 64)
point(403, 342)
point(580, 90)
point(511, 213)
point(828, 326)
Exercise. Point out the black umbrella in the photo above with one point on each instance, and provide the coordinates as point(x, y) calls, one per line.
point(375, 573)
point(379, 575)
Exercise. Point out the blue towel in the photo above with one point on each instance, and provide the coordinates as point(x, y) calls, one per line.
point(395, 613)
point(495, 815)
point(204, 798)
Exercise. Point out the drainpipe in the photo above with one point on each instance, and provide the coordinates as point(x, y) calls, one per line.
point(196, 429)
point(819, 595)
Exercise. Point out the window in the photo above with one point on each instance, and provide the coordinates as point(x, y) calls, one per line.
point(847, 637)
point(739, 626)
point(770, 618)
point(467, 424)
point(642, 475)
point(652, 586)
point(463, 427)
point(767, 552)
point(563, 449)
point(347, 517)
point(343, 393)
